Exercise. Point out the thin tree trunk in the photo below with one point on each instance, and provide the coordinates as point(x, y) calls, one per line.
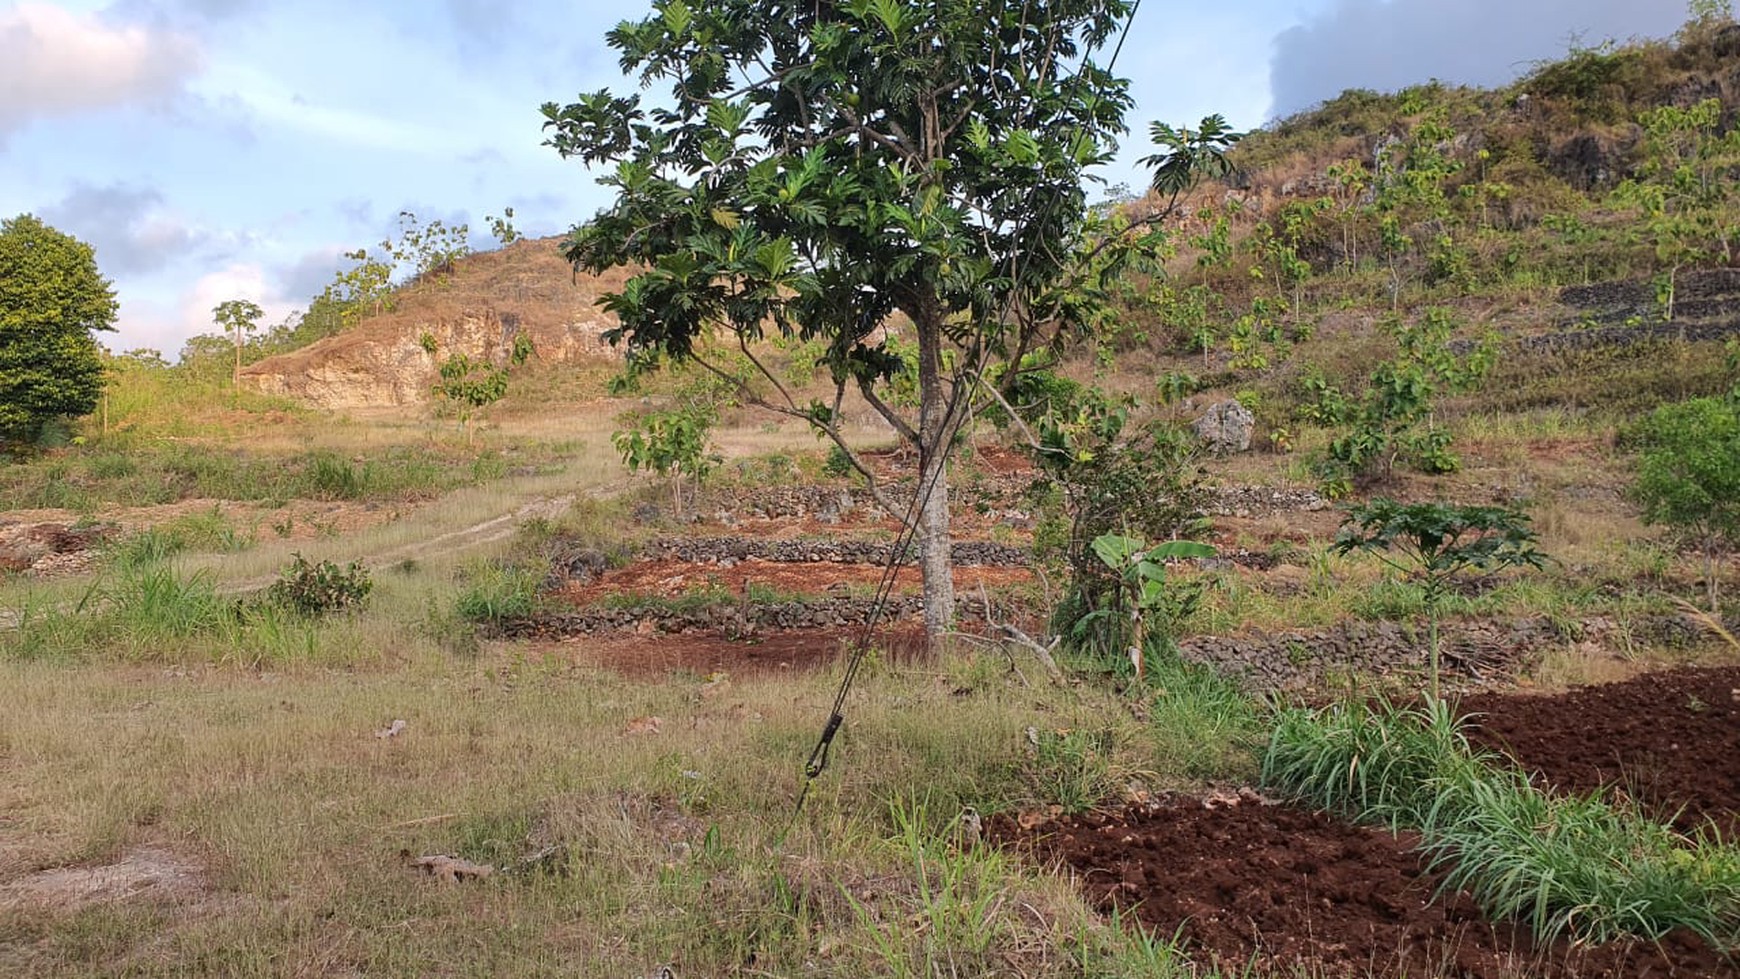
point(1711, 585)
point(934, 543)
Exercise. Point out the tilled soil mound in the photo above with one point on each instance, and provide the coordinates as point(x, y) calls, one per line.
point(1287, 889)
point(1670, 741)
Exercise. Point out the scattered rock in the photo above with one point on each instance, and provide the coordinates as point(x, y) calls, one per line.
point(50, 549)
point(569, 562)
point(453, 870)
point(1226, 428)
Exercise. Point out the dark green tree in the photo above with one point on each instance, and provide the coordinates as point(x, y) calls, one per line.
point(52, 298)
point(835, 171)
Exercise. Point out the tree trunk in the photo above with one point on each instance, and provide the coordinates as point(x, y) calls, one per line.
point(934, 543)
point(1711, 582)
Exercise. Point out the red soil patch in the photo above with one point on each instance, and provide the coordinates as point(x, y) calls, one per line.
point(1285, 889)
point(774, 651)
point(669, 578)
point(1669, 740)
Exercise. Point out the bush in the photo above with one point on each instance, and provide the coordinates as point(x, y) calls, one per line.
point(319, 589)
point(1688, 476)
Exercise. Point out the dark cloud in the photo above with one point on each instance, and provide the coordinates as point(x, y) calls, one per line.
point(1391, 44)
point(127, 226)
point(313, 272)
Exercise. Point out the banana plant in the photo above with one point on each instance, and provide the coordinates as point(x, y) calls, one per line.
point(1141, 571)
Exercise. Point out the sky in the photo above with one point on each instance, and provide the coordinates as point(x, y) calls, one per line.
point(234, 149)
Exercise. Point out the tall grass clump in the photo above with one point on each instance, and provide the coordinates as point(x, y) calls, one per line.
point(958, 921)
point(152, 606)
point(1579, 865)
point(1585, 865)
point(496, 591)
point(1200, 723)
point(1369, 762)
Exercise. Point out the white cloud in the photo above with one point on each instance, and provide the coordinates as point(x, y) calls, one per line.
point(263, 98)
point(241, 280)
point(1391, 44)
point(163, 322)
point(56, 62)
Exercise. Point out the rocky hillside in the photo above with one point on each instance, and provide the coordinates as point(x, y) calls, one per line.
point(476, 310)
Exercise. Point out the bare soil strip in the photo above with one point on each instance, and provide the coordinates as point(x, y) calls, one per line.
point(1669, 740)
point(1285, 889)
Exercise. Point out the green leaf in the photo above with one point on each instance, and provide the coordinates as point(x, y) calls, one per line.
point(1116, 550)
point(1179, 549)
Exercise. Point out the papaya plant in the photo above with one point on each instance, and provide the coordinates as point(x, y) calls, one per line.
point(1436, 543)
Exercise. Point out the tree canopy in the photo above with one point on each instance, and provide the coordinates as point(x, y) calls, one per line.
point(831, 171)
point(1688, 475)
point(52, 299)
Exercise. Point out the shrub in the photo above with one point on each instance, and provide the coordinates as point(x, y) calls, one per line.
point(1688, 476)
point(319, 589)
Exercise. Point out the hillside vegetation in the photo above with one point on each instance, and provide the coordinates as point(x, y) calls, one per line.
point(524, 684)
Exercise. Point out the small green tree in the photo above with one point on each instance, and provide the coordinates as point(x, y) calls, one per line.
point(1392, 419)
point(1681, 189)
point(238, 318)
point(1688, 477)
point(673, 443)
point(1189, 156)
point(52, 298)
point(502, 228)
point(830, 171)
point(1438, 543)
point(1412, 206)
point(366, 288)
point(473, 385)
point(428, 251)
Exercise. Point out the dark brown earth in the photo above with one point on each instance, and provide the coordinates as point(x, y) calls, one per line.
point(1283, 888)
point(1670, 741)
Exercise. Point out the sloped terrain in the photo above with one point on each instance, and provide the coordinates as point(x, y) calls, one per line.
point(476, 310)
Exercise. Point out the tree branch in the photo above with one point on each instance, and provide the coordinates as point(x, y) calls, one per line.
point(899, 424)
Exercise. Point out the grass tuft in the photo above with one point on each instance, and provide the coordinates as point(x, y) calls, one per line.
point(1579, 865)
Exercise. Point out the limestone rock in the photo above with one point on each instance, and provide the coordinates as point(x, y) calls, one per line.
point(489, 298)
point(1226, 428)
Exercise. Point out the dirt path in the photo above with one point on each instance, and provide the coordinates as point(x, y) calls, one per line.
point(452, 542)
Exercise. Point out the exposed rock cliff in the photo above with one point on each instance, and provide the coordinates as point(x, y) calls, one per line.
point(488, 298)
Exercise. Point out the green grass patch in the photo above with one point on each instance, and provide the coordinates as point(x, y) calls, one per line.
point(1588, 866)
point(85, 480)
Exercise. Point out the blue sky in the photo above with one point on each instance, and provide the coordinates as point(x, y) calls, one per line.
point(222, 149)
